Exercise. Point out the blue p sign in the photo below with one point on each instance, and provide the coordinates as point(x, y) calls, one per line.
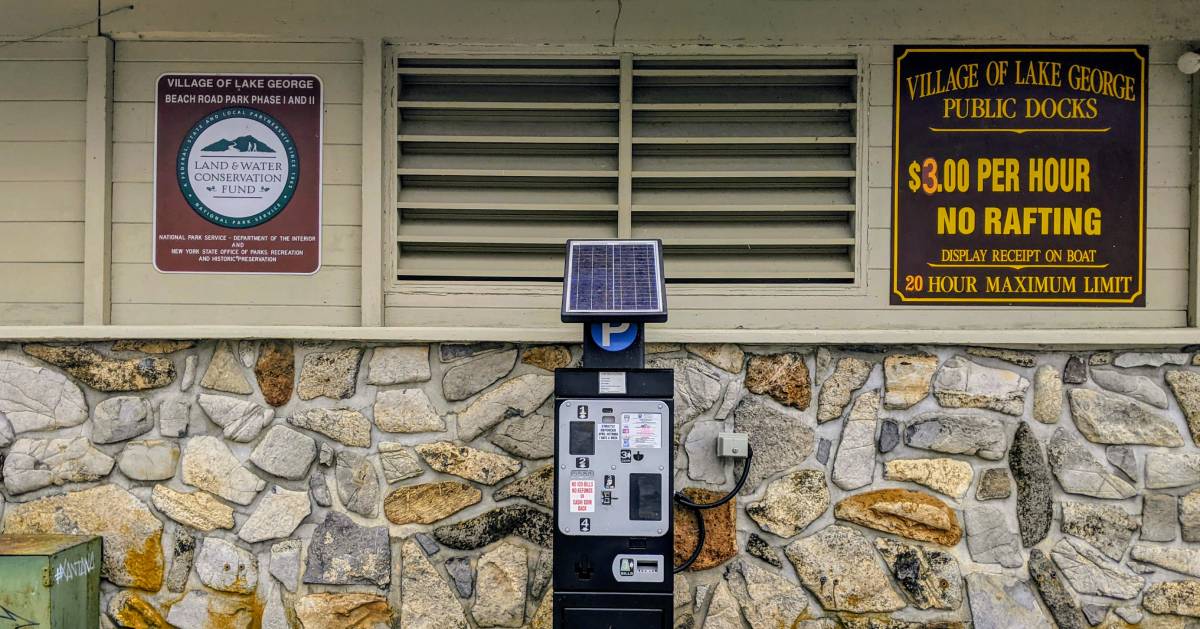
point(613, 337)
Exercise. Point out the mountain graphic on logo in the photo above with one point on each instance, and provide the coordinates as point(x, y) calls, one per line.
point(244, 144)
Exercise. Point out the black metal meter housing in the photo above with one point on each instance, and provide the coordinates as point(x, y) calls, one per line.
point(613, 532)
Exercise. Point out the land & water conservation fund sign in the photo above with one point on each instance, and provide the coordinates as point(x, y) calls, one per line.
point(237, 173)
point(1019, 176)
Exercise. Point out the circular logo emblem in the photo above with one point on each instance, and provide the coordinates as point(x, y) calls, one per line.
point(614, 337)
point(238, 167)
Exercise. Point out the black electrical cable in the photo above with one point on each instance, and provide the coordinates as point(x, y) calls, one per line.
point(683, 500)
point(700, 534)
point(697, 507)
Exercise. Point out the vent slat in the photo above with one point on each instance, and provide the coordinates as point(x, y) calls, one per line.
point(532, 106)
point(496, 71)
point(737, 140)
point(741, 73)
point(748, 208)
point(481, 172)
point(826, 106)
point(508, 139)
point(554, 243)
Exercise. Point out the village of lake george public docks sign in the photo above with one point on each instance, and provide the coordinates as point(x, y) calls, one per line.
point(1019, 175)
point(237, 174)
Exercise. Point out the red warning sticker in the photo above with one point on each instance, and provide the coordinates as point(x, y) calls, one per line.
point(583, 493)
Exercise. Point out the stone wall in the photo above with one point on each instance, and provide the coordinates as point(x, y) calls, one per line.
point(272, 484)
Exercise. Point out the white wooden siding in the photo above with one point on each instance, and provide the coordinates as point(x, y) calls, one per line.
point(140, 294)
point(43, 90)
point(774, 307)
point(42, 130)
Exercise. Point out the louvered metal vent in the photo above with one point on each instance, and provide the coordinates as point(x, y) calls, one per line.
point(746, 169)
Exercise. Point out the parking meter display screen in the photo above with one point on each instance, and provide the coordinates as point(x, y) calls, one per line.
point(583, 438)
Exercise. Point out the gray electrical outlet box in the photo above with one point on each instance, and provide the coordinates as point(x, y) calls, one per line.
point(733, 445)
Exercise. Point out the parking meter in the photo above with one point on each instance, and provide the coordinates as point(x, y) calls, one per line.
point(613, 538)
point(614, 447)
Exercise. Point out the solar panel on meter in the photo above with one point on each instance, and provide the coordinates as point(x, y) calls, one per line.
point(614, 281)
point(613, 278)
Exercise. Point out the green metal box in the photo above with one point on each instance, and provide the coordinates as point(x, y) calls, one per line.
point(49, 581)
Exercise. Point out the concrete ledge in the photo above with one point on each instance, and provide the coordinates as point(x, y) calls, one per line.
point(1124, 337)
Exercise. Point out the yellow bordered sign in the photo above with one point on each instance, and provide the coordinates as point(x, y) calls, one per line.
point(1019, 175)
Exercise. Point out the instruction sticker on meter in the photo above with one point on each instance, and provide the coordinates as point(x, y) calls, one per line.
point(641, 430)
point(612, 383)
point(583, 495)
point(608, 432)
